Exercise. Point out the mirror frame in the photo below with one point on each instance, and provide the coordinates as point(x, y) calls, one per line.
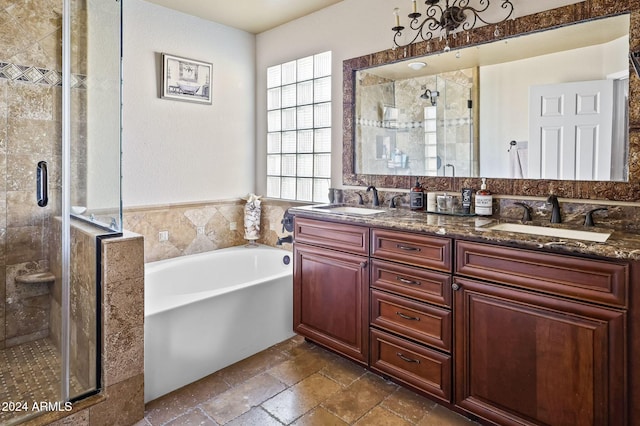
point(545, 20)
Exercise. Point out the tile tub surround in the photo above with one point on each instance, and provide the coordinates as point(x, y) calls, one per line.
point(299, 383)
point(215, 220)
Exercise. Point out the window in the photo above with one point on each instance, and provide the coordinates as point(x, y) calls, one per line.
point(299, 129)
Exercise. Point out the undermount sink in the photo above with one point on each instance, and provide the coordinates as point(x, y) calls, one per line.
point(348, 210)
point(573, 234)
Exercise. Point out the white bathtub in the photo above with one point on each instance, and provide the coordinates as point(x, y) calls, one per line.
point(207, 311)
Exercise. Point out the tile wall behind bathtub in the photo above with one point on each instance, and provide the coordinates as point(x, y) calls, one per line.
point(201, 227)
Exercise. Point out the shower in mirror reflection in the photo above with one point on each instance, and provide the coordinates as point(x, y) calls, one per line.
point(431, 96)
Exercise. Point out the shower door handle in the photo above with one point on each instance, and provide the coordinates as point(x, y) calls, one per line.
point(41, 184)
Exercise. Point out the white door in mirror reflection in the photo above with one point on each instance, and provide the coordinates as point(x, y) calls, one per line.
point(570, 130)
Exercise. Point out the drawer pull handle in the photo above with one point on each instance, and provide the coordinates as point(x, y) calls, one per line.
point(407, 317)
point(404, 358)
point(406, 281)
point(407, 248)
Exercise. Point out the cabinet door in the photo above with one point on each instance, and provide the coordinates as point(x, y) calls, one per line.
point(331, 300)
point(529, 359)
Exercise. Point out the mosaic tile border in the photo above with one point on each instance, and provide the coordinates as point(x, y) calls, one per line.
point(37, 75)
point(408, 125)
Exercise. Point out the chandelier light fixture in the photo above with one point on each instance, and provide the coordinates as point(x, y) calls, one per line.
point(441, 20)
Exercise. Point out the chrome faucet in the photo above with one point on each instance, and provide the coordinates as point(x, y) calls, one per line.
point(555, 209)
point(376, 200)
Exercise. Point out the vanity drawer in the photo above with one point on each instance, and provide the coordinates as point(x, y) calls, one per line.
point(418, 367)
point(338, 236)
point(418, 321)
point(422, 284)
point(414, 249)
point(580, 278)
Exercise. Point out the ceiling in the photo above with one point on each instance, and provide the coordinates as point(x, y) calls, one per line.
point(254, 16)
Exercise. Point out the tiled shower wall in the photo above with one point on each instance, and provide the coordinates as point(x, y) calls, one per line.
point(30, 131)
point(201, 227)
point(452, 118)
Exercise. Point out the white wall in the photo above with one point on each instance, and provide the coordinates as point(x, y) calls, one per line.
point(174, 151)
point(177, 152)
point(349, 29)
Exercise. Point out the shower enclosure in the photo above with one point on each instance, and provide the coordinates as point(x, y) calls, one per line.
point(417, 126)
point(455, 142)
point(60, 162)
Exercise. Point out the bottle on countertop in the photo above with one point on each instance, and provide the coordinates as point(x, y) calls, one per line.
point(484, 200)
point(466, 200)
point(416, 197)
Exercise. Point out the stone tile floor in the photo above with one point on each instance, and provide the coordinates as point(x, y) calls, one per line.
point(296, 383)
point(30, 373)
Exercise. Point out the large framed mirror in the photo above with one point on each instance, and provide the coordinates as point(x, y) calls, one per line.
point(464, 115)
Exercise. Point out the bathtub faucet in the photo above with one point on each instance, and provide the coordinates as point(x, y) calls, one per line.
point(287, 239)
point(287, 221)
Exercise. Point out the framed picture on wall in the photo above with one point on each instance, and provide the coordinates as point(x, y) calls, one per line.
point(186, 79)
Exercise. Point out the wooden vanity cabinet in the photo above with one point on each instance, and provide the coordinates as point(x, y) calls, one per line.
point(528, 357)
point(331, 286)
point(411, 318)
point(513, 336)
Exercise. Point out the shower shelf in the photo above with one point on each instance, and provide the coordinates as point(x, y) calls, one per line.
point(36, 278)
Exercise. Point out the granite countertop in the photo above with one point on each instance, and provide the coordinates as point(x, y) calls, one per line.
point(620, 245)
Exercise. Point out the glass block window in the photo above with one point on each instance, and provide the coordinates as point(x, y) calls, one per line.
point(299, 129)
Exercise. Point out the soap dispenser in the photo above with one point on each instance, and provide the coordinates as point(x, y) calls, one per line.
point(416, 197)
point(484, 200)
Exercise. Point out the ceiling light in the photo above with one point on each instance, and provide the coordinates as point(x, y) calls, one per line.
point(441, 20)
point(417, 65)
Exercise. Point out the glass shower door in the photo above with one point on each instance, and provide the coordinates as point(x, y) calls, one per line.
point(59, 160)
point(92, 187)
point(455, 138)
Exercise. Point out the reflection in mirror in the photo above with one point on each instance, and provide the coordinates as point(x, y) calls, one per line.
point(418, 124)
point(548, 105)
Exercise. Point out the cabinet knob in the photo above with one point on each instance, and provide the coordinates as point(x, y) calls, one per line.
point(455, 287)
point(363, 264)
